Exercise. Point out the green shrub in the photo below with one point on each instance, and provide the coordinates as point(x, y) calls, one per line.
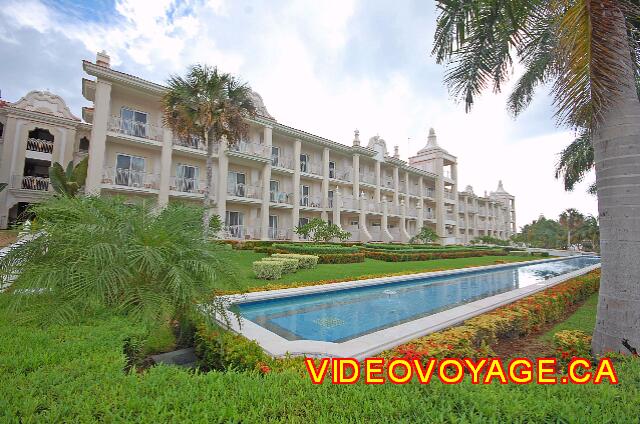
point(289, 265)
point(268, 270)
point(304, 261)
point(569, 343)
point(519, 253)
point(347, 258)
point(314, 249)
point(160, 339)
point(405, 256)
point(223, 350)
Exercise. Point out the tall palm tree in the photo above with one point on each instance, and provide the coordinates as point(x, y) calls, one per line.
point(208, 105)
point(571, 220)
point(588, 51)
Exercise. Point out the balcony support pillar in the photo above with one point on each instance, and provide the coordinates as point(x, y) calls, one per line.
point(356, 176)
point(165, 167)
point(404, 234)
point(325, 184)
point(223, 176)
point(384, 228)
point(266, 186)
point(295, 213)
point(97, 146)
point(337, 205)
point(365, 236)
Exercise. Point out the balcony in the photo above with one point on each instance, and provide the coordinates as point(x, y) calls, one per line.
point(187, 185)
point(368, 177)
point(281, 198)
point(278, 161)
point(461, 223)
point(240, 232)
point(340, 174)
point(132, 128)
point(251, 149)
point(349, 202)
point(429, 192)
point(388, 183)
point(449, 195)
point(130, 178)
point(311, 201)
point(414, 190)
point(195, 143)
point(29, 182)
point(244, 190)
point(41, 146)
point(428, 214)
point(462, 208)
point(450, 217)
point(412, 212)
point(393, 209)
point(279, 234)
point(311, 168)
point(373, 206)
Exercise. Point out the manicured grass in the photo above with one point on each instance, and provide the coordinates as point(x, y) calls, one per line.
point(74, 373)
point(583, 319)
point(7, 237)
point(242, 260)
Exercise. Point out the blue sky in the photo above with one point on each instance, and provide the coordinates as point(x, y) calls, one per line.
point(325, 67)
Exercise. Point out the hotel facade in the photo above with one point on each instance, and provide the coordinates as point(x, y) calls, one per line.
point(264, 186)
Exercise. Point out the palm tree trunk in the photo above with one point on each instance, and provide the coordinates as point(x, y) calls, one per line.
point(617, 161)
point(208, 198)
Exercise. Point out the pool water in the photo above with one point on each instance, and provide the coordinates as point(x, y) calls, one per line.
point(341, 315)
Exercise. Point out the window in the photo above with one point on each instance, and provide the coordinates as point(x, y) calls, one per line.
point(355, 224)
point(133, 122)
point(304, 163)
point(83, 146)
point(236, 184)
point(275, 155)
point(332, 169)
point(129, 170)
point(273, 226)
point(1, 129)
point(303, 221)
point(304, 195)
point(330, 194)
point(187, 178)
point(274, 190)
point(41, 134)
point(234, 222)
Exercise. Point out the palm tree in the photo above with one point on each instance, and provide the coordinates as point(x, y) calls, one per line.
point(208, 105)
point(588, 50)
point(69, 182)
point(571, 220)
point(576, 160)
point(589, 231)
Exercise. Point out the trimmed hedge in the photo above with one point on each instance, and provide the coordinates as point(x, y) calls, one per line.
point(289, 265)
point(474, 337)
point(348, 258)
point(427, 256)
point(315, 249)
point(304, 261)
point(268, 270)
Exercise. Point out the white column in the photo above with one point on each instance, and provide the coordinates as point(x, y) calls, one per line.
point(325, 183)
point(439, 213)
point(386, 236)
point(97, 145)
point(421, 203)
point(404, 234)
point(223, 176)
point(396, 185)
point(377, 171)
point(266, 179)
point(365, 236)
point(337, 203)
point(165, 167)
point(356, 176)
point(295, 213)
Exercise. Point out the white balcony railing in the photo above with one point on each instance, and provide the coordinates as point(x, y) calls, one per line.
point(450, 217)
point(193, 143)
point(412, 211)
point(250, 148)
point(281, 197)
point(428, 214)
point(449, 195)
point(187, 185)
point(387, 182)
point(311, 168)
point(241, 232)
point(429, 192)
point(134, 128)
point(244, 190)
point(311, 201)
point(279, 234)
point(393, 209)
point(414, 190)
point(281, 161)
point(37, 145)
point(462, 208)
point(368, 177)
point(341, 174)
point(130, 178)
point(349, 202)
point(28, 182)
point(373, 206)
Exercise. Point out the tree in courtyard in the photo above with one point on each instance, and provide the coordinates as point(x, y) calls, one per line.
point(105, 253)
point(425, 235)
point(69, 182)
point(588, 50)
point(319, 230)
point(208, 105)
point(571, 220)
point(588, 234)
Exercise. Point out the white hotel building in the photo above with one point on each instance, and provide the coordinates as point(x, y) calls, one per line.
point(264, 186)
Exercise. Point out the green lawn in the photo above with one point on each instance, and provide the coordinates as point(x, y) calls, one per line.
point(242, 260)
point(584, 319)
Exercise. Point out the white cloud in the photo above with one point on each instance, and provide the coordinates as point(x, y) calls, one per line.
point(293, 56)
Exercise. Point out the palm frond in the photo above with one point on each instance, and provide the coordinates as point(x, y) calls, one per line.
point(576, 160)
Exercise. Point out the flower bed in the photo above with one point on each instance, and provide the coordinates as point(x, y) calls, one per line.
point(426, 256)
point(473, 338)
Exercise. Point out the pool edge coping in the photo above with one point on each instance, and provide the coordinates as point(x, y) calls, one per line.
point(381, 340)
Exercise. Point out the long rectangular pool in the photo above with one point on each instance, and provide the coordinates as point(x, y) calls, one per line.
point(341, 315)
